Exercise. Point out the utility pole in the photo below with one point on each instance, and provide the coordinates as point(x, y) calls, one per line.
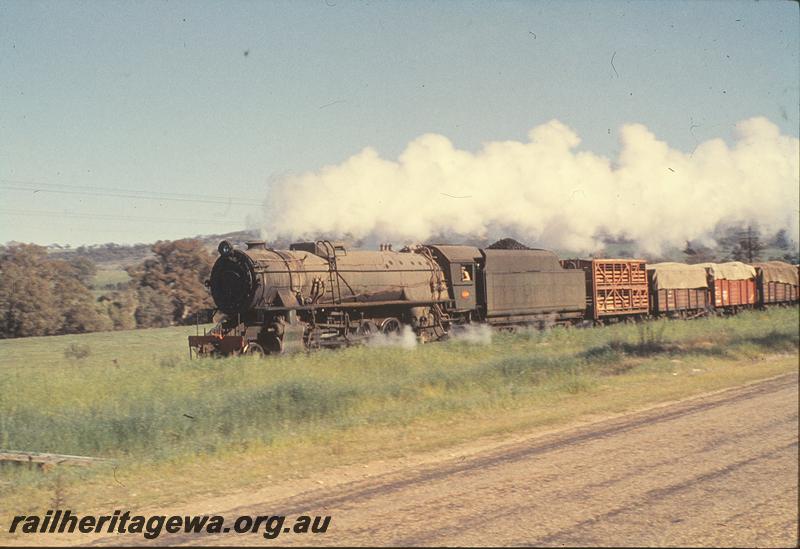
point(749, 244)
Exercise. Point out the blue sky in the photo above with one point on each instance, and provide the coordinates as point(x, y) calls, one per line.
point(215, 100)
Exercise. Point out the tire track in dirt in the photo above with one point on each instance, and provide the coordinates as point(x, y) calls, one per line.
point(658, 494)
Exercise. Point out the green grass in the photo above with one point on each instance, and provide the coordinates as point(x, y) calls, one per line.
point(109, 277)
point(137, 394)
point(136, 397)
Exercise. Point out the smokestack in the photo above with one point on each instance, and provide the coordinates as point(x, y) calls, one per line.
point(256, 245)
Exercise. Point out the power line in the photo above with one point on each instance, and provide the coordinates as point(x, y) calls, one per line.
point(36, 187)
point(111, 217)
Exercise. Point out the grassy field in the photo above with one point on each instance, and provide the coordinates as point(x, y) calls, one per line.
point(109, 277)
point(179, 428)
point(106, 280)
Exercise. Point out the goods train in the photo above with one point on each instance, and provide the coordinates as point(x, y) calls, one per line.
point(321, 294)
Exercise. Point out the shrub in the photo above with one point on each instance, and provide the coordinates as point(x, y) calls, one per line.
point(77, 351)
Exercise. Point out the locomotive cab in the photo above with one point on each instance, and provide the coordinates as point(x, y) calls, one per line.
point(462, 270)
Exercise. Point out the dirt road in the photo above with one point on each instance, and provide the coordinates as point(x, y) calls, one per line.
point(716, 470)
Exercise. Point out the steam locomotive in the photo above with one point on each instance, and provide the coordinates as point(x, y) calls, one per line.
point(321, 294)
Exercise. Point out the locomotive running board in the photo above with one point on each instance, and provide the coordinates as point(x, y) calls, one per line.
point(352, 304)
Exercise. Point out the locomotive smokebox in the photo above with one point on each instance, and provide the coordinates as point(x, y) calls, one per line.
point(232, 281)
point(242, 280)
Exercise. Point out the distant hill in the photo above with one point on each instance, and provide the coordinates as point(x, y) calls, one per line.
point(105, 256)
point(118, 256)
point(238, 238)
point(779, 246)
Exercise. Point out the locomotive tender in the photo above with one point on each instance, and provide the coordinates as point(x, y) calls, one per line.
point(321, 294)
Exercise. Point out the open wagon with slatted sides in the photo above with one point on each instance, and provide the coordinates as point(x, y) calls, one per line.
point(615, 288)
point(777, 282)
point(678, 289)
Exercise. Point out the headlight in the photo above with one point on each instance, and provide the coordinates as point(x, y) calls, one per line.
point(224, 248)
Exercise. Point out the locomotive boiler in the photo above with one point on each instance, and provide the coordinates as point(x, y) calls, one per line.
point(319, 294)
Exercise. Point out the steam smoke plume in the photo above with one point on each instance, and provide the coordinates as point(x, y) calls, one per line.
point(547, 193)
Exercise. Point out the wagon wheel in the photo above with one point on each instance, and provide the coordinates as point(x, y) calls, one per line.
point(254, 349)
point(274, 344)
point(390, 327)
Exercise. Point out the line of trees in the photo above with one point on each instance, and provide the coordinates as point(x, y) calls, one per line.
point(746, 244)
point(48, 294)
point(40, 295)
